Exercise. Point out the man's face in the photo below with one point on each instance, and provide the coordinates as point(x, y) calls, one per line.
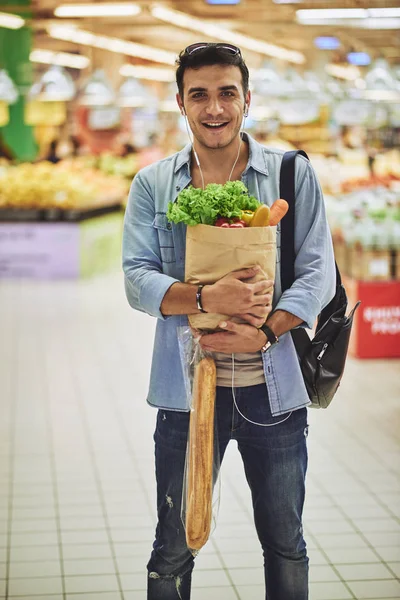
point(214, 102)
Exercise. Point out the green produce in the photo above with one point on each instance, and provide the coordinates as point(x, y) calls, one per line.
point(196, 206)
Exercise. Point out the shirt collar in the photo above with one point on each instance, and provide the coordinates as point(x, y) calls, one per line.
point(256, 156)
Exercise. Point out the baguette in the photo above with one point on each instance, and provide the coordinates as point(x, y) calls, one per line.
point(201, 455)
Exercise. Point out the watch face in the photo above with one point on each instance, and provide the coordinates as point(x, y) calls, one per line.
point(266, 347)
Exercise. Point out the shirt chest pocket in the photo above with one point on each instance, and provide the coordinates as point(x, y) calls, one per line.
point(165, 237)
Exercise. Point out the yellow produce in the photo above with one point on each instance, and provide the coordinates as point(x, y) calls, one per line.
point(261, 217)
point(65, 186)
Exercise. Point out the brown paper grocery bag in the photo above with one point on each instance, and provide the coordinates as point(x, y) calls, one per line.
point(212, 252)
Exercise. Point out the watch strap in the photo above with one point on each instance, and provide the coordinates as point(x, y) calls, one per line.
point(271, 337)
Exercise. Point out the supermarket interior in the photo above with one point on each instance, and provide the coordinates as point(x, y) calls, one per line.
point(87, 100)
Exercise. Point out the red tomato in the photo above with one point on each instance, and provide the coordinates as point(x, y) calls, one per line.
point(221, 221)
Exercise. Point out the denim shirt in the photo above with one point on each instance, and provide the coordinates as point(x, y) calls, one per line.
point(154, 259)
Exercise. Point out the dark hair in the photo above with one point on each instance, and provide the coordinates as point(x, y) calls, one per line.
point(210, 55)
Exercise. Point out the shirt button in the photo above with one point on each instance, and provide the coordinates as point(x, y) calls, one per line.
point(169, 226)
point(178, 187)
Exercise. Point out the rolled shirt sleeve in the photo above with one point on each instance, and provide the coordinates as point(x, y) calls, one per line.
point(145, 283)
point(315, 276)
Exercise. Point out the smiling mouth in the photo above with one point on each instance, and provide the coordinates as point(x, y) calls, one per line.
point(216, 126)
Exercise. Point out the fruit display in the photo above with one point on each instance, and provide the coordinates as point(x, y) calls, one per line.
point(351, 171)
point(123, 166)
point(66, 186)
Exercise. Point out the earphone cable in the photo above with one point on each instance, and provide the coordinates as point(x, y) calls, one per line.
point(195, 153)
point(241, 414)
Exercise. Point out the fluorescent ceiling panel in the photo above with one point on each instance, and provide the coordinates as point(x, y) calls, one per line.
point(98, 10)
point(151, 73)
point(63, 59)
point(11, 21)
point(331, 13)
point(180, 19)
point(223, 1)
point(86, 38)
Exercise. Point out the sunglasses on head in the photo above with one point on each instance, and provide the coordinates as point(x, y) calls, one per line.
point(230, 48)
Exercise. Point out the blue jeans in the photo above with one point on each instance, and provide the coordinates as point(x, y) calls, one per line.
point(275, 462)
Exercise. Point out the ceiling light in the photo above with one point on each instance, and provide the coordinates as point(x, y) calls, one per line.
point(361, 59)
point(348, 72)
point(365, 18)
point(217, 32)
point(63, 59)
point(369, 23)
point(331, 13)
point(325, 42)
point(223, 1)
point(132, 93)
point(384, 12)
point(151, 73)
point(86, 38)
point(97, 91)
point(55, 85)
point(11, 21)
point(379, 76)
point(97, 10)
point(288, 1)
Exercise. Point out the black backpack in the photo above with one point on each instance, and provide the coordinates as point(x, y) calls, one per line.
point(322, 358)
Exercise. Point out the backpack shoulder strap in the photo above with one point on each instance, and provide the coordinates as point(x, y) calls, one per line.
point(287, 192)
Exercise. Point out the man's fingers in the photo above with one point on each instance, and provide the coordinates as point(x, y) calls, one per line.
point(245, 273)
point(262, 287)
point(229, 326)
point(254, 320)
point(261, 300)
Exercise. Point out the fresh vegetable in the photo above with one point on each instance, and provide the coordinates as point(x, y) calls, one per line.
point(237, 225)
point(247, 216)
point(278, 211)
point(261, 217)
point(194, 206)
point(221, 221)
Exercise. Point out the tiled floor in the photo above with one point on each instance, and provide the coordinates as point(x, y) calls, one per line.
point(76, 468)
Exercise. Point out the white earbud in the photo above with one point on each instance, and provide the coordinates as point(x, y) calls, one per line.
point(246, 110)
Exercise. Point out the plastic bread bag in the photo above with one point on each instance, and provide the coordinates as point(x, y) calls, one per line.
point(201, 485)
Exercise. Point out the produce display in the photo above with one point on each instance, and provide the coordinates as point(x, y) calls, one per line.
point(123, 166)
point(64, 186)
point(201, 455)
point(365, 227)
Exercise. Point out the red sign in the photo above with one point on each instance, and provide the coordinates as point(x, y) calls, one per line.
point(376, 332)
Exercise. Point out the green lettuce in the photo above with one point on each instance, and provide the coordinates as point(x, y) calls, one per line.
point(195, 206)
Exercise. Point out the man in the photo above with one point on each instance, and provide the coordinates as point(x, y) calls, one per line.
point(264, 411)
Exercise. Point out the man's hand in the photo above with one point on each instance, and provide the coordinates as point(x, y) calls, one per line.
point(235, 338)
point(233, 296)
point(258, 314)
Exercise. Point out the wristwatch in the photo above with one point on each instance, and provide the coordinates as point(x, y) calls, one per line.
point(271, 337)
